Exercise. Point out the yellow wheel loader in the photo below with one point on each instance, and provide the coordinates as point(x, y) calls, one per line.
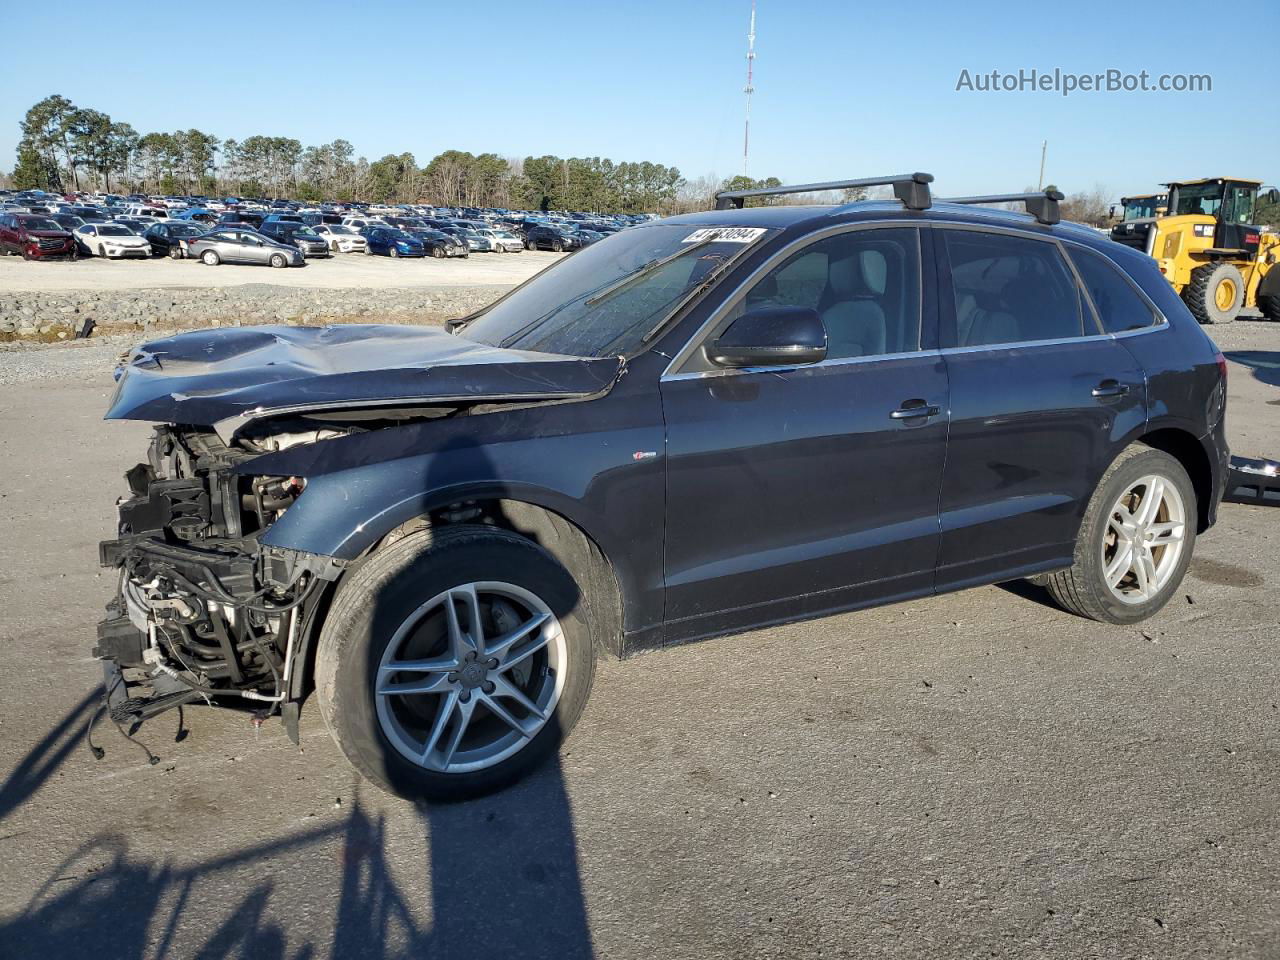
point(1209, 247)
point(1136, 216)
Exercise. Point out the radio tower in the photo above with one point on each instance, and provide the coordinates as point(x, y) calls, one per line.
point(749, 89)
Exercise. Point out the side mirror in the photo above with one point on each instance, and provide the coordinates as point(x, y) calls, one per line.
point(771, 337)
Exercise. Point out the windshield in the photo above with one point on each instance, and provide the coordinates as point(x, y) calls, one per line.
point(607, 299)
point(1200, 198)
point(113, 231)
point(184, 230)
point(1140, 208)
point(340, 229)
point(303, 232)
point(40, 223)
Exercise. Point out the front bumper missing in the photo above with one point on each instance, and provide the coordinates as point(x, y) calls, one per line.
point(220, 624)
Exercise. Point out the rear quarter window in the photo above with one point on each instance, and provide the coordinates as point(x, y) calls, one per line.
point(1120, 307)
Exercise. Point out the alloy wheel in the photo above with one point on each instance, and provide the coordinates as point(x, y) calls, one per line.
point(470, 677)
point(1146, 529)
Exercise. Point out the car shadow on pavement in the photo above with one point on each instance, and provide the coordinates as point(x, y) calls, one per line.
point(1265, 364)
point(501, 878)
point(43, 760)
point(502, 881)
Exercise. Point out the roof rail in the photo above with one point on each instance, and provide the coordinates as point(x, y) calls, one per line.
point(1043, 206)
point(911, 188)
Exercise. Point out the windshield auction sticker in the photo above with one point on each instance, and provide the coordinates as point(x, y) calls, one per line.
point(725, 235)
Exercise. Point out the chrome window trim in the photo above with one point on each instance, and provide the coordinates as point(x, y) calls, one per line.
point(1154, 328)
point(1063, 244)
point(686, 352)
point(1026, 344)
point(821, 364)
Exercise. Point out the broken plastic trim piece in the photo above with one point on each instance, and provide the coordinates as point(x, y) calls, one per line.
point(1253, 481)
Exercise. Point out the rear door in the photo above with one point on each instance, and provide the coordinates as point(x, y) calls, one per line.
point(1042, 400)
point(797, 490)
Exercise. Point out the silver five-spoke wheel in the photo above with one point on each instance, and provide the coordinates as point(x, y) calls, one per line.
point(470, 677)
point(1144, 539)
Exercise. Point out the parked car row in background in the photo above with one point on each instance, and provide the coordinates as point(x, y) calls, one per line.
point(38, 225)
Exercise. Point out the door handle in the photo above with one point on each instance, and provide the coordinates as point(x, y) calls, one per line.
point(911, 409)
point(1111, 388)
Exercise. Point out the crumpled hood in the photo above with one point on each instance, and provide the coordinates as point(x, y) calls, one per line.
point(226, 378)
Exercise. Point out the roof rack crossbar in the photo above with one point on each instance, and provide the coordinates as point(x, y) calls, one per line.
point(1043, 206)
point(911, 188)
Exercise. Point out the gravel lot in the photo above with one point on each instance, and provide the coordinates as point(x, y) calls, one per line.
point(976, 774)
point(343, 270)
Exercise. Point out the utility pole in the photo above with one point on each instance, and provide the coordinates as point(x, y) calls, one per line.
point(1044, 146)
point(749, 89)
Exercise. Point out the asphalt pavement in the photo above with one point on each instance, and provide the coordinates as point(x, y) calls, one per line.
point(974, 774)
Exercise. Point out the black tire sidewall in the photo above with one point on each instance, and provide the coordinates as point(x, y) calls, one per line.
point(373, 604)
point(1149, 461)
point(1204, 284)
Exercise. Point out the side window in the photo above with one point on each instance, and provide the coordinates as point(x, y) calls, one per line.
point(1119, 306)
point(864, 284)
point(1010, 290)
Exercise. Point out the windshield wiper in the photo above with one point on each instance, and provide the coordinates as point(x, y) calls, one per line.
point(539, 321)
point(644, 271)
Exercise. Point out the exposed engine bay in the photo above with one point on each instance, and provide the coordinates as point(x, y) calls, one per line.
point(205, 612)
point(207, 609)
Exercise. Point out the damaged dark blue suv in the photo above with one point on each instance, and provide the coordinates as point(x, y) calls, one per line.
point(694, 427)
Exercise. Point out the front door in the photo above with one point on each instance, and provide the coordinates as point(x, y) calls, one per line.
point(796, 491)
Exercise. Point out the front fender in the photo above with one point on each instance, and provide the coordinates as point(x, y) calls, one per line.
point(598, 464)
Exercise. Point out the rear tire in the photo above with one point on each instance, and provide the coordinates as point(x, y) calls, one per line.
point(379, 616)
point(1085, 588)
point(1215, 293)
point(210, 258)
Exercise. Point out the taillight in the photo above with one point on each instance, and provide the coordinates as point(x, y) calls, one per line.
point(1222, 366)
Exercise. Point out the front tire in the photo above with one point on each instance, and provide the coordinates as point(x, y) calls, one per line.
point(1215, 293)
point(1135, 542)
point(460, 718)
point(393, 253)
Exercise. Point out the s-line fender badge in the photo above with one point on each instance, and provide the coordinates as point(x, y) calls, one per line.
point(644, 454)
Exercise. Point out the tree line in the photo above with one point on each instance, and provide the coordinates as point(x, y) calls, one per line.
point(67, 147)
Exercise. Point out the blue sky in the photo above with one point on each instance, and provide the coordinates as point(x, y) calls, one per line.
point(843, 89)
